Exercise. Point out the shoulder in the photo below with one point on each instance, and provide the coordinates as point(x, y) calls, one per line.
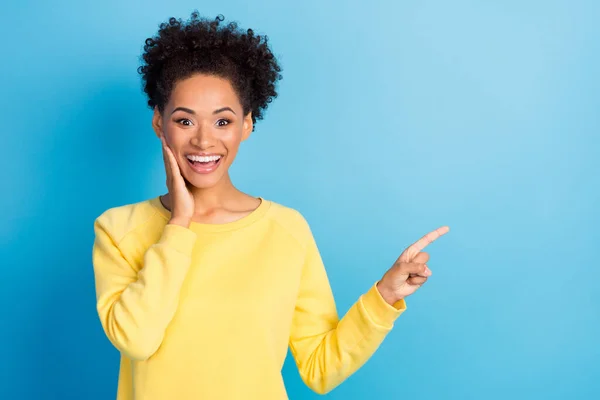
point(120, 220)
point(291, 220)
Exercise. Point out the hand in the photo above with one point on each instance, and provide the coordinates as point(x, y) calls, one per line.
point(409, 271)
point(182, 201)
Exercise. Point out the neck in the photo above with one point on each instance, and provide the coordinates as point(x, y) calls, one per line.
point(207, 199)
point(214, 197)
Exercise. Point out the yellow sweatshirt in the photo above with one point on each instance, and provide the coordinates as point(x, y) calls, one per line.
point(209, 312)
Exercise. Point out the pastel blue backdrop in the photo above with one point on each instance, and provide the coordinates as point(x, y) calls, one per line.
point(394, 118)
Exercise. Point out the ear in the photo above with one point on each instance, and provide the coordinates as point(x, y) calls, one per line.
point(248, 125)
point(157, 122)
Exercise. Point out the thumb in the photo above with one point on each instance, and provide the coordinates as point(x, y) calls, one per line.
point(421, 258)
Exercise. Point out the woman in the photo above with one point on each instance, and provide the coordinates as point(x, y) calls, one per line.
point(203, 289)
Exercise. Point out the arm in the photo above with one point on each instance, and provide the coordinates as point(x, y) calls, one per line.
point(328, 350)
point(135, 308)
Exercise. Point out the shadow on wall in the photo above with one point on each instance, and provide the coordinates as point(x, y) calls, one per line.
point(102, 149)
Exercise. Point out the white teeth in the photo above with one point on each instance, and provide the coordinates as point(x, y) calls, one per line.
point(203, 158)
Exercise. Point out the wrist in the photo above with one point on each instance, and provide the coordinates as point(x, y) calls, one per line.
point(185, 222)
point(387, 294)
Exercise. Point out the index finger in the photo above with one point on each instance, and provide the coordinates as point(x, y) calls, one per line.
point(425, 241)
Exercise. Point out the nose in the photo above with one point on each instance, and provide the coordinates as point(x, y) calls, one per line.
point(203, 137)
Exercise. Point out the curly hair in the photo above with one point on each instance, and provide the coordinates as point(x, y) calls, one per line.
point(181, 49)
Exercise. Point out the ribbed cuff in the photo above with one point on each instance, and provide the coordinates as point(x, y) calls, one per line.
point(379, 311)
point(179, 238)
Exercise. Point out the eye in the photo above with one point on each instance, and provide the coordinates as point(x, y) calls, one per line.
point(223, 122)
point(184, 122)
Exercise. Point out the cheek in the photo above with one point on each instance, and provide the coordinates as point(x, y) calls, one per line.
point(175, 137)
point(232, 140)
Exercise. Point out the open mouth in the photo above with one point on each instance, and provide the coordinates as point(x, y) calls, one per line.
point(204, 164)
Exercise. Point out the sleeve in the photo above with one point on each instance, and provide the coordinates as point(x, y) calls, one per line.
point(328, 350)
point(134, 307)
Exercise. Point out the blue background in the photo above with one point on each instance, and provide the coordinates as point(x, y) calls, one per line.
point(394, 118)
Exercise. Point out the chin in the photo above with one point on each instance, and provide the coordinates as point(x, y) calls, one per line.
point(204, 181)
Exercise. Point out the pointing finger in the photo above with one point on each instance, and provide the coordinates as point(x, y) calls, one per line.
point(420, 244)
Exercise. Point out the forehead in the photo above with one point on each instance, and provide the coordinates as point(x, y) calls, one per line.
point(204, 92)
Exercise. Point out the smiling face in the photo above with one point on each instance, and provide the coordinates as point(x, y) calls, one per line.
point(203, 123)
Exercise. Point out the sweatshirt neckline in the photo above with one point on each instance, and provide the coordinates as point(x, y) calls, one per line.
point(246, 220)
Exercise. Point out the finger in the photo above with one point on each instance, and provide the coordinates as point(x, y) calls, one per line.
point(173, 162)
point(426, 273)
point(164, 151)
point(421, 258)
point(412, 269)
point(426, 240)
point(175, 173)
point(166, 161)
point(416, 280)
point(178, 180)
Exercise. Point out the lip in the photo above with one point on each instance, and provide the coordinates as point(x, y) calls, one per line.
point(204, 169)
point(203, 154)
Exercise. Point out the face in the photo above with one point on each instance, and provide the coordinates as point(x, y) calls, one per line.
point(203, 124)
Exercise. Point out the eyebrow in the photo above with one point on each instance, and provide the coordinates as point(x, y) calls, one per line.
point(190, 111)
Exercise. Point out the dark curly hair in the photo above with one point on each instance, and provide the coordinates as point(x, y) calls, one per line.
point(181, 49)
